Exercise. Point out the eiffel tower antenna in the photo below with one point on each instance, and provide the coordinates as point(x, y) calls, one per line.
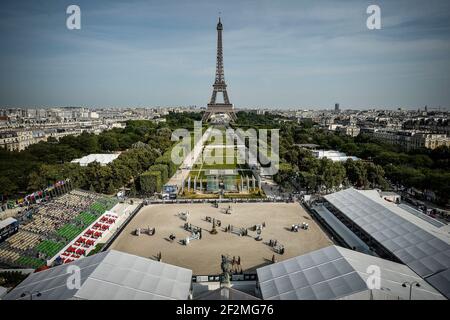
point(219, 85)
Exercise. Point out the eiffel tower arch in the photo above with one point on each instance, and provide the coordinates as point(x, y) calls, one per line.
point(219, 86)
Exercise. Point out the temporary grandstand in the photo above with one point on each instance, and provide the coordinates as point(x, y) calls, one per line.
point(52, 227)
point(109, 275)
point(340, 232)
point(102, 158)
point(87, 242)
point(395, 233)
point(336, 273)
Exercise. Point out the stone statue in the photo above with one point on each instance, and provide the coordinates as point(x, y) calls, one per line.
point(226, 270)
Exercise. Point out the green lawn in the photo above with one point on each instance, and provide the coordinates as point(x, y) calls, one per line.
point(69, 231)
point(86, 218)
point(50, 248)
point(227, 160)
point(252, 195)
point(98, 208)
point(97, 249)
point(26, 261)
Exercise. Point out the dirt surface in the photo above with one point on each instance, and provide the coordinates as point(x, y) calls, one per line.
point(203, 256)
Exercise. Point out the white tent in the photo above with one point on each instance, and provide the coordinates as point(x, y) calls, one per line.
point(102, 158)
point(338, 273)
point(109, 275)
point(420, 245)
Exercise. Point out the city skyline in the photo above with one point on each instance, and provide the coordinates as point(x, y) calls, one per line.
point(303, 54)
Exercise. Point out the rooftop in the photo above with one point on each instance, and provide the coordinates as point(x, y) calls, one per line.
point(6, 222)
point(338, 273)
point(417, 243)
point(102, 158)
point(109, 275)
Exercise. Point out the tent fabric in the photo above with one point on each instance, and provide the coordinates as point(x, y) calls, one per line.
point(441, 281)
point(422, 251)
point(102, 158)
point(109, 275)
point(338, 273)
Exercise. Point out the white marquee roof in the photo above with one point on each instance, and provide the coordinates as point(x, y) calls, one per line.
point(102, 158)
point(338, 273)
point(441, 282)
point(418, 244)
point(412, 242)
point(6, 222)
point(110, 275)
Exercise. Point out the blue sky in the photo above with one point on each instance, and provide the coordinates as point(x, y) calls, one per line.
point(307, 54)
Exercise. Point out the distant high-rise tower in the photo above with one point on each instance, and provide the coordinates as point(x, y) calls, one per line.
point(336, 107)
point(219, 85)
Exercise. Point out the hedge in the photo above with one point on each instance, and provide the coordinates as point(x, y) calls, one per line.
point(150, 182)
point(163, 169)
point(166, 159)
point(97, 249)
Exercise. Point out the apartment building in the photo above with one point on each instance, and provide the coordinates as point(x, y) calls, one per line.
point(16, 140)
point(410, 140)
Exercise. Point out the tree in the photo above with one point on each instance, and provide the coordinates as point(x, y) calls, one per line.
point(167, 160)
point(150, 182)
point(111, 189)
point(36, 181)
point(44, 163)
point(88, 143)
point(108, 143)
point(7, 186)
point(421, 161)
point(308, 181)
point(375, 175)
point(285, 172)
point(356, 173)
point(333, 173)
point(350, 148)
point(163, 170)
point(381, 161)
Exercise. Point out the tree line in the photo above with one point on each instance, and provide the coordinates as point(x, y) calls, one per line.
point(382, 165)
point(143, 143)
point(423, 169)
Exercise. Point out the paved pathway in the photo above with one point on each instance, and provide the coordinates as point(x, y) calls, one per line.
point(188, 162)
point(269, 186)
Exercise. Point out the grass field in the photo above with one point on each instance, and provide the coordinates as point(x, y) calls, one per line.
point(69, 231)
point(86, 218)
point(218, 155)
point(30, 262)
point(50, 248)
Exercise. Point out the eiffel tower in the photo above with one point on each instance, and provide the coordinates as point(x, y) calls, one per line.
point(219, 85)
